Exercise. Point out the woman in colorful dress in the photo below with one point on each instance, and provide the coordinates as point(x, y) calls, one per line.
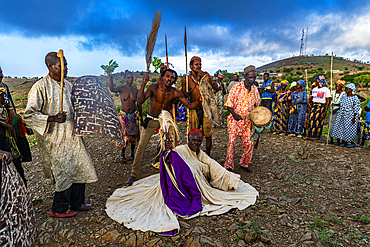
point(319, 105)
point(345, 127)
point(335, 105)
point(298, 110)
point(281, 112)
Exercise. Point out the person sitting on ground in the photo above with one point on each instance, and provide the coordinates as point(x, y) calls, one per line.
point(335, 105)
point(298, 110)
point(281, 112)
point(319, 105)
point(190, 184)
point(128, 116)
point(345, 127)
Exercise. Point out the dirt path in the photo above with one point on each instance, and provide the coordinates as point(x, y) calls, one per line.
point(311, 194)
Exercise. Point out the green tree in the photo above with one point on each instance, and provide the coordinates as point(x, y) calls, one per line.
point(362, 80)
point(157, 62)
point(345, 68)
point(112, 65)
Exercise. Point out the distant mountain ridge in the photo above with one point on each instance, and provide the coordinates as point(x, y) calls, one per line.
point(339, 63)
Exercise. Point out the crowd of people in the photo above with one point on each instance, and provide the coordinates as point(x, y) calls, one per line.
point(209, 188)
point(298, 112)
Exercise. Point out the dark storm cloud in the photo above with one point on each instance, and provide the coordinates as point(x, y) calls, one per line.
point(231, 27)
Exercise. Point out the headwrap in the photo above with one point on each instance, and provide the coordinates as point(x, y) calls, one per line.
point(284, 82)
point(293, 84)
point(196, 130)
point(321, 78)
point(195, 58)
point(221, 76)
point(249, 69)
point(341, 83)
point(352, 86)
point(302, 83)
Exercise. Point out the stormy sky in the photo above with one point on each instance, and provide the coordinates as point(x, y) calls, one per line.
point(226, 34)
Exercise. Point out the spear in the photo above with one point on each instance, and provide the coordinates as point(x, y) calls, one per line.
point(168, 66)
point(187, 78)
point(61, 56)
point(331, 89)
point(150, 43)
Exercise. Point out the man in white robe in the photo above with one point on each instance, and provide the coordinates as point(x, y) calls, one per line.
point(65, 158)
point(142, 206)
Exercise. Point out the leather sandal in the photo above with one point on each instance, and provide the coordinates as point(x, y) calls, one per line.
point(130, 181)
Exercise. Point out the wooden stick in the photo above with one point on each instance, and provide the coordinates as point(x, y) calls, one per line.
point(187, 80)
point(306, 80)
point(6, 125)
point(331, 89)
point(61, 56)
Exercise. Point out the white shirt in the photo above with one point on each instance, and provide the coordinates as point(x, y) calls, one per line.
point(320, 94)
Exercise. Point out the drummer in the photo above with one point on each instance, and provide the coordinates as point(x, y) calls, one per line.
point(243, 98)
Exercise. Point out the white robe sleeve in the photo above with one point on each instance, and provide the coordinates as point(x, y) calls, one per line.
point(219, 177)
point(33, 115)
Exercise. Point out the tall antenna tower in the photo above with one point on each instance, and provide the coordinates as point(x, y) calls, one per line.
point(302, 44)
point(306, 43)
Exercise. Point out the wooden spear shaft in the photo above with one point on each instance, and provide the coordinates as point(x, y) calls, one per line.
point(61, 56)
point(168, 66)
point(331, 89)
point(187, 79)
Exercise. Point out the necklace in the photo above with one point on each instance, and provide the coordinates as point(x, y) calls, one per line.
point(195, 81)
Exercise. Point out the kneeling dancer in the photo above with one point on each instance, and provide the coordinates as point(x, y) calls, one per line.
point(64, 156)
point(190, 184)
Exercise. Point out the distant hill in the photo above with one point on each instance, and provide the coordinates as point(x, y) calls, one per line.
point(310, 62)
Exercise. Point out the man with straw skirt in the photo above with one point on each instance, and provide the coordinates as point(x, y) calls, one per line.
point(320, 102)
point(243, 98)
point(64, 156)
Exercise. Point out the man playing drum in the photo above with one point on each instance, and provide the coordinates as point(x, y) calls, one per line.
point(243, 98)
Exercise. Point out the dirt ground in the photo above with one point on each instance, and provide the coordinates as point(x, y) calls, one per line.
point(311, 194)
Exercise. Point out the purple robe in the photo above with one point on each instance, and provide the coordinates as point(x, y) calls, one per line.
point(188, 201)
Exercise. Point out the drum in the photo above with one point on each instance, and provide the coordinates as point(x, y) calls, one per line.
point(260, 116)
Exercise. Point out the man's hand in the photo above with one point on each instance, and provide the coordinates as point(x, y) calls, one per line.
point(59, 118)
point(353, 120)
point(200, 73)
point(146, 78)
point(237, 117)
point(7, 156)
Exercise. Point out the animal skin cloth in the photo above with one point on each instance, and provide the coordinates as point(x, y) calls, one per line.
point(209, 102)
point(153, 203)
point(64, 156)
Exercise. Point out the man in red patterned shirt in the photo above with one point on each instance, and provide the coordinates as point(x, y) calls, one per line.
point(243, 98)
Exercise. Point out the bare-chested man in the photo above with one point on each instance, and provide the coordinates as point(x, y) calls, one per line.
point(161, 97)
point(128, 115)
point(196, 116)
